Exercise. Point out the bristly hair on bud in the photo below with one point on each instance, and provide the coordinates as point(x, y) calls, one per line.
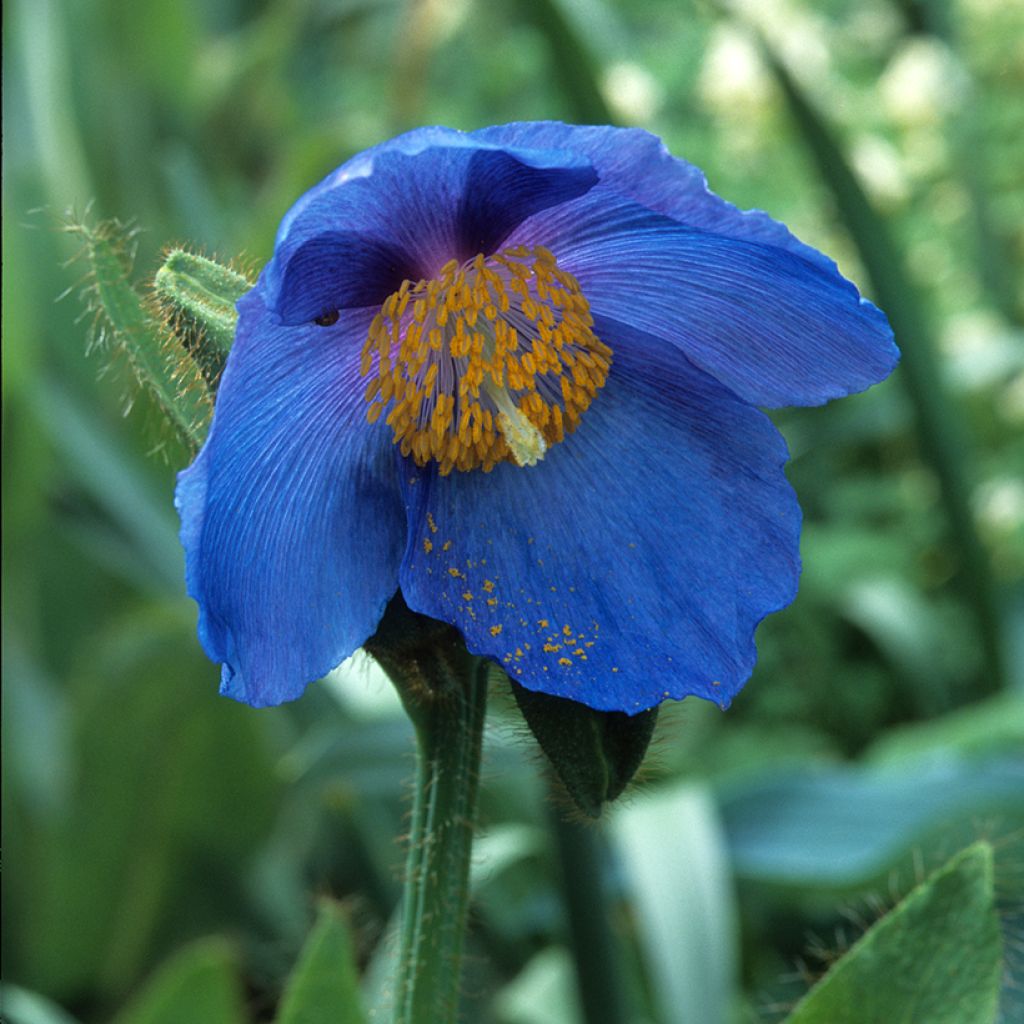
point(194, 296)
point(594, 754)
point(123, 326)
point(175, 338)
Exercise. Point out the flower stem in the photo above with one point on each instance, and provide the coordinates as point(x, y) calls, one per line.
point(597, 957)
point(448, 716)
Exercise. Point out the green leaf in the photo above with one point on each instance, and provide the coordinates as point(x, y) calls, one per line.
point(323, 987)
point(199, 984)
point(542, 993)
point(146, 531)
point(508, 882)
point(676, 863)
point(844, 827)
point(145, 855)
point(937, 957)
point(50, 102)
point(378, 986)
point(23, 1007)
point(985, 729)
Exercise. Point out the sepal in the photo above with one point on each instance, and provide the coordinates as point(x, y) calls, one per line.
point(424, 658)
point(595, 754)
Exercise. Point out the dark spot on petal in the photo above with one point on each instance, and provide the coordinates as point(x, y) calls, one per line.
point(327, 319)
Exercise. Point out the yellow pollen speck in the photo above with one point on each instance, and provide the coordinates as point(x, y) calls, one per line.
point(551, 648)
point(579, 652)
point(543, 623)
point(467, 596)
point(492, 601)
point(446, 546)
point(427, 546)
point(454, 573)
point(431, 523)
point(495, 630)
point(565, 661)
point(716, 682)
point(567, 630)
point(489, 586)
point(493, 360)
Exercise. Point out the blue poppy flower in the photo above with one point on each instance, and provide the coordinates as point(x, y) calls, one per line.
point(516, 373)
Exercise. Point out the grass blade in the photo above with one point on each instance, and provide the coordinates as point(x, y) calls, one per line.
point(942, 443)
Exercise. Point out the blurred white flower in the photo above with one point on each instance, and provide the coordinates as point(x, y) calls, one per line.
point(923, 83)
point(632, 92)
point(880, 168)
point(799, 36)
point(999, 504)
point(981, 351)
point(733, 75)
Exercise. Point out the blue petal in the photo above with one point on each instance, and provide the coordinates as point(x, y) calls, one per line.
point(291, 515)
point(638, 165)
point(747, 301)
point(405, 209)
point(635, 561)
point(775, 328)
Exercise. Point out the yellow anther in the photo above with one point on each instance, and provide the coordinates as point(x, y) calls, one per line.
point(493, 360)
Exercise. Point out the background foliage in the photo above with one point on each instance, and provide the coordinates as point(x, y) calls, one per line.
point(145, 818)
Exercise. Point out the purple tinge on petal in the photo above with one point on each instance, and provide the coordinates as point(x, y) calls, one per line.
point(775, 328)
point(291, 515)
point(341, 270)
point(407, 213)
point(638, 165)
point(635, 561)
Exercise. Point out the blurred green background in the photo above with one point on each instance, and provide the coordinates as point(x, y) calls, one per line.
point(884, 726)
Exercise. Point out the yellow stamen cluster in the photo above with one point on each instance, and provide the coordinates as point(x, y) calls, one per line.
point(494, 359)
